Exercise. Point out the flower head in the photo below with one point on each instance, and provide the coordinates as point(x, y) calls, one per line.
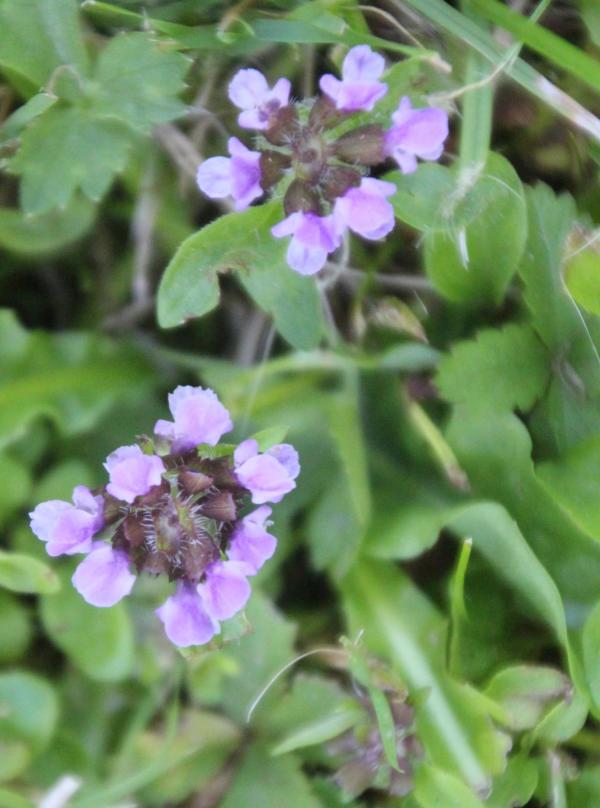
point(66, 528)
point(359, 88)
point(313, 238)
point(416, 133)
point(237, 176)
point(250, 92)
point(365, 210)
point(268, 476)
point(132, 473)
point(178, 515)
point(198, 417)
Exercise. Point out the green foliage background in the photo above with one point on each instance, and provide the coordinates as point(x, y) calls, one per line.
point(442, 388)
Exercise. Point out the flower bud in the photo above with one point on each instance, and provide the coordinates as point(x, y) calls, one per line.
point(282, 126)
point(272, 166)
point(221, 507)
point(193, 482)
point(337, 180)
point(301, 196)
point(364, 145)
point(324, 114)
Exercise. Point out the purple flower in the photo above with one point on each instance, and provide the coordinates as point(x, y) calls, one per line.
point(416, 133)
point(259, 103)
point(103, 577)
point(251, 543)
point(269, 476)
point(198, 417)
point(186, 619)
point(359, 88)
point(66, 528)
point(226, 589)
point(237, 176)
point(313, 238)
point(365, 210)
point(132, 473)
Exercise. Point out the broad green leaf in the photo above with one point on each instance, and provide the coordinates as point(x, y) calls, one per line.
point(483, 372)
point(262, 781)
point(21, 573)
point(590, 640)
point(137, 82)
point(474, 263)
point(53, 25)
point(72, 378)
point(67, 149)
point(72, 624)
point(309, 698)
point(320, 730)
point(334, 531)
point(28, 709)
point(15, 628)
point(37, 105)
point(258, 657)
point(525, 693)
point(582, 276)
point(12, 799)
point(39, 235)
point(572, 481)
point(515, 786)
point(435, 787)
point(241, 242)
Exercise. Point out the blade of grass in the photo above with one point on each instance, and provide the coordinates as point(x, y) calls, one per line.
point(563, 54)
point(469, 32)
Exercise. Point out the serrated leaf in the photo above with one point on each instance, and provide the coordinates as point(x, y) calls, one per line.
point(138, 82)
point(483, 372)
point(53, 25)
point(21, 573)
point(37, 105)
point(64, 150)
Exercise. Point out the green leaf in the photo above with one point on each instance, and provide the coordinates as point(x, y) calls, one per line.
point(67, 149)
point(262, 781)
point(525, 693)
point(334, 532)
point(435, 787)
point(21, 573)
point(582, 277)
point(138, 82)
point(71, 378)
point(37, 105)
point(328, 726)
point(40, 235)
point(70, 623)
point(53, 25)
point(483, 373)
point(15, 628)
point(269, 437)
point(475, 262)
point(590, 640)
point(515, 786)
point(258, 657)
point(571, 480)
point(11, 799)
point(241, 242)
point(28, 709)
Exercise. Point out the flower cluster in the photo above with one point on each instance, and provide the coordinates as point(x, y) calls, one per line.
point(173, 506)
point(329, 189)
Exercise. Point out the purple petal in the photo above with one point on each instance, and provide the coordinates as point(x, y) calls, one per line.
point(331, 86)
point(94, 505)
point(288, 226)
point(365, 210)
point(266, 479)
point(199, 417)
point(420, 132)
point(214, 177)
point(288, 457)
point(185, 618)
point(248, 88)
point(281, 92)
point(226, 589)
point(132, 473)
point(305, 260)
point(248, 448)
point(245, 174)
point(250, 543)
point(317, 231)
point(65, 529)
point(164, 429)
point(103, 577)
point(354, 96)
point(253, 119)
point(362, 64)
